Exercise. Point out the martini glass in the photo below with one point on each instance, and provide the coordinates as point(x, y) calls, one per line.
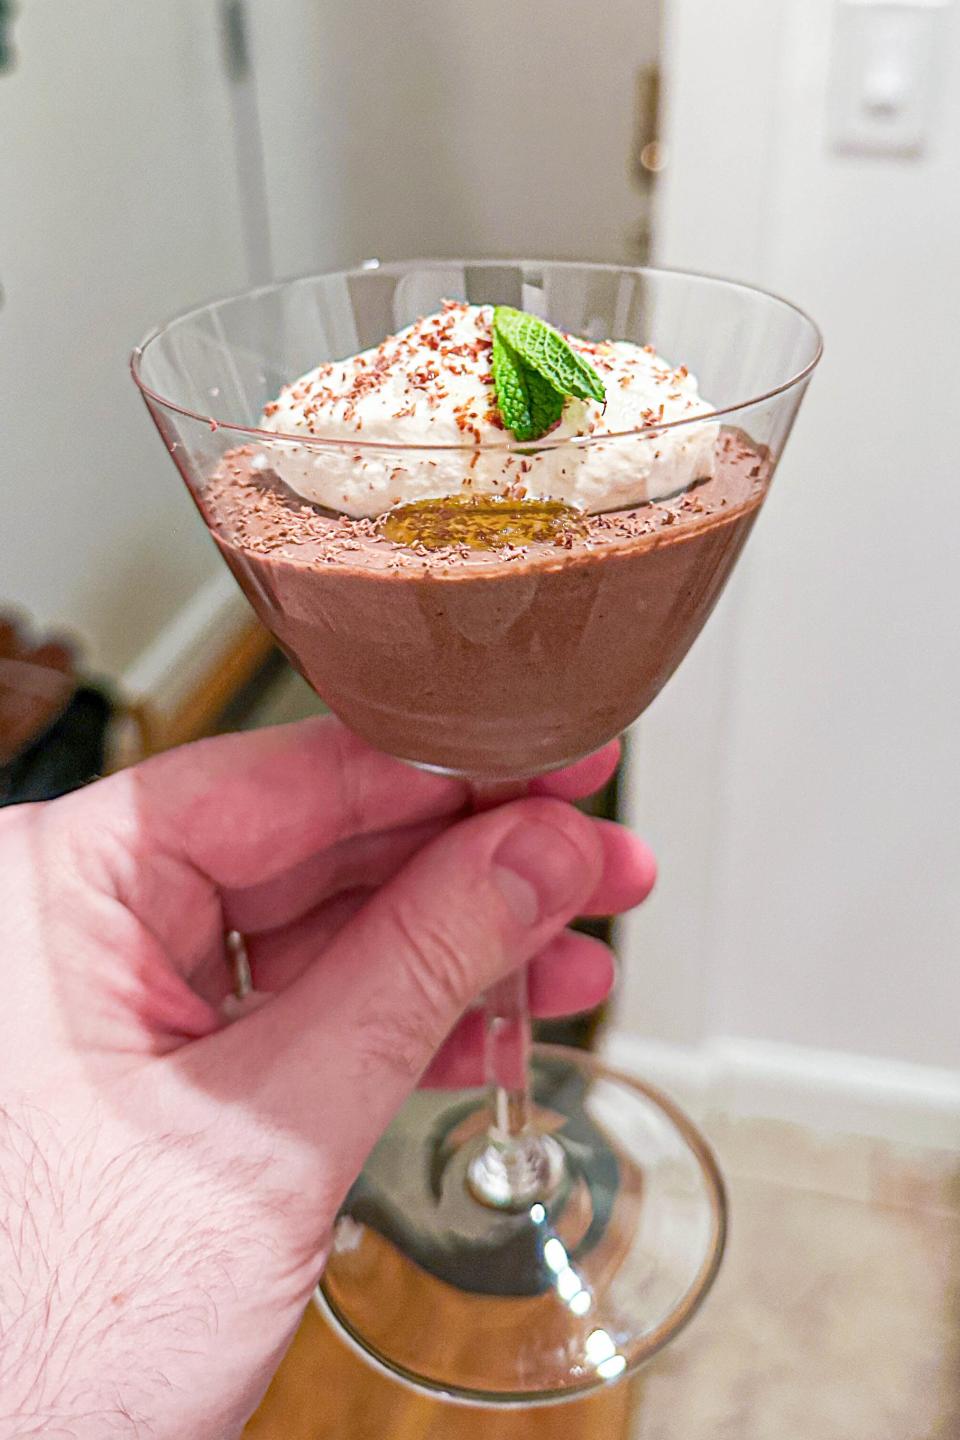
point(539, 1237)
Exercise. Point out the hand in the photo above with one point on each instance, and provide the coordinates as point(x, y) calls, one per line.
point(169, 1177)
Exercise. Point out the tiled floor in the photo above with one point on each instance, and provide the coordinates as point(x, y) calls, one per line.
point(837, 1313)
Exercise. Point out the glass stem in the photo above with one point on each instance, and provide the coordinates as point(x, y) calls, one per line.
point(506, 1039)
point(516, 1165)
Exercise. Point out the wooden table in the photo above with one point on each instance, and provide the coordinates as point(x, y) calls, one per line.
point(323, 1391)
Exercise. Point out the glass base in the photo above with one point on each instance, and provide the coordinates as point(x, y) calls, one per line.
point(544, 1304)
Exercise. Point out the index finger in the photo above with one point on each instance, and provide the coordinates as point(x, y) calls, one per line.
point(248, 808)
point(371, 858)
point(244, 808)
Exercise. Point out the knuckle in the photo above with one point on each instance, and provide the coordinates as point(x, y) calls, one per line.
point(432, 982)
point(436, 964)
point(400, 1041)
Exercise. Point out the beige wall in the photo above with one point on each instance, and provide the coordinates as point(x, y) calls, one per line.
point(801, 775)
point(117, 207)
point(422, 126)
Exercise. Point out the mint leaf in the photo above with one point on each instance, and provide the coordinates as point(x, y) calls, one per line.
point(528, 404)
point(546, 403)
point(538, 346)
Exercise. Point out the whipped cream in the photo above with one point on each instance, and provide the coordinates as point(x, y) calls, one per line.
point(431, 385)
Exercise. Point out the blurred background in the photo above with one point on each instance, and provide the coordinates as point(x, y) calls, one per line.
point(797, 976)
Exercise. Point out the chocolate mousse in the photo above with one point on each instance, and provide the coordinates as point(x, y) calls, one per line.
point(497, 660)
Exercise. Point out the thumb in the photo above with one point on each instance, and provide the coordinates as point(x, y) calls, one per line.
point(340, 1050)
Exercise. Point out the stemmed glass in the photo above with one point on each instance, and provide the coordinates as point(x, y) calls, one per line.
point(541, 1237)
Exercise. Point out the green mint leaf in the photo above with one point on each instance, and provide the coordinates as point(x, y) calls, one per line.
point(538, 346)
point(546, 403)
point(528, 404)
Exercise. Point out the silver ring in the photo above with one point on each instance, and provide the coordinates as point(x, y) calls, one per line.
point(239, 964)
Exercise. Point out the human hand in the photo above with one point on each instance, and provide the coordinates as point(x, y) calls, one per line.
point(169, 1178)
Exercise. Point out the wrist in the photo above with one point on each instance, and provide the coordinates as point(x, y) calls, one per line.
point(112, 1281)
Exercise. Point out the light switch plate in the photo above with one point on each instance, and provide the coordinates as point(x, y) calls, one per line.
point(884, 74)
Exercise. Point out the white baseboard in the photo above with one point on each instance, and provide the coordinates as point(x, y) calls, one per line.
point(828, 1091)
point(187, 649)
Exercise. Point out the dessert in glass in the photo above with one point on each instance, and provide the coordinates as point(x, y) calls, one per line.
point(485, 508)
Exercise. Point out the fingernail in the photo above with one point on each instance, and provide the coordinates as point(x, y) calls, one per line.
point(538, 870)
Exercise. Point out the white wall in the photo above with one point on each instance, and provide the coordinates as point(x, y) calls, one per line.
point(422, 127)
point(801, 776)
point(117, 207)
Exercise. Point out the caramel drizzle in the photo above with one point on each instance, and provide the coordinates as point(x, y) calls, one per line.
point(482, 522)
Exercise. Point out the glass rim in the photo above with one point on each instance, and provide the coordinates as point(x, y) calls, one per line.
point(391, 447)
